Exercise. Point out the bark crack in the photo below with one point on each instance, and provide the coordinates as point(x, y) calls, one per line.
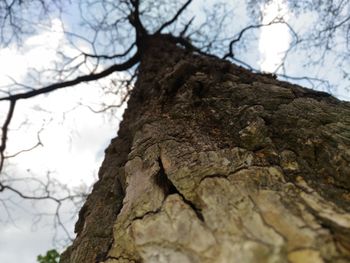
point(163, 181)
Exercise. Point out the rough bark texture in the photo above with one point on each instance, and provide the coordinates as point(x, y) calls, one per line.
point(216, 164)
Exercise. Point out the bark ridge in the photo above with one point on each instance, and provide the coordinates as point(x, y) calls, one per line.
point(216, 164)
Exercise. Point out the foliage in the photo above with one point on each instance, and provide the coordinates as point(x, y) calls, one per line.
point(52, 256)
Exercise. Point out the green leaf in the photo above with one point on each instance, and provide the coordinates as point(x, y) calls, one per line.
point(52, 256)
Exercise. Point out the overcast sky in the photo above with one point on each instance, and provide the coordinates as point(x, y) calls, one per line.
point(73, 137)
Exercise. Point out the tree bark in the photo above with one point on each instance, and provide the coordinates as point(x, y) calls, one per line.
point(213, 163)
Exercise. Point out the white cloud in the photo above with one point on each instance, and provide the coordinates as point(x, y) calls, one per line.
point(39, 52)
point(274, 39)
point(11, 65)
point(24, 240)
point(73, 137)
point(71, 154)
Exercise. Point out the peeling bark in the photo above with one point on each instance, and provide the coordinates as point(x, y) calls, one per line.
point(216, 164)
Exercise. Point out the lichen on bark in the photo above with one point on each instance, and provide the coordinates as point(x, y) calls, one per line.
point(216, 164)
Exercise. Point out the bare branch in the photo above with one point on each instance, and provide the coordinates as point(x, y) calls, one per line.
point(310, 80)
point(183, 32)
point(187, 44)
point(48, 189)
point(5, 131)
point(112, 56)
point(135, 21)
point(244, 30)
point(86, 78)
point(39, 143)
point(176, 16)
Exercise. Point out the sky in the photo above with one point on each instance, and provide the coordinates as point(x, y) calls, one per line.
point(271, 47)
point(74, 138)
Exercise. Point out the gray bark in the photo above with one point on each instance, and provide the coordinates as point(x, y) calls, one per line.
point(213, 163)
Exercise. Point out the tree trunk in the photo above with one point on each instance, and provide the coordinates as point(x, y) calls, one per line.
point(213, 163)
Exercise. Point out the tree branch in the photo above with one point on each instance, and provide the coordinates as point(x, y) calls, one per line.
point(176, 16)
point(135, 21)
point(111, 57)
point(39, 143)
point(241, 33)
point(183, 32)
point(86, 78)
point(5, 131)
